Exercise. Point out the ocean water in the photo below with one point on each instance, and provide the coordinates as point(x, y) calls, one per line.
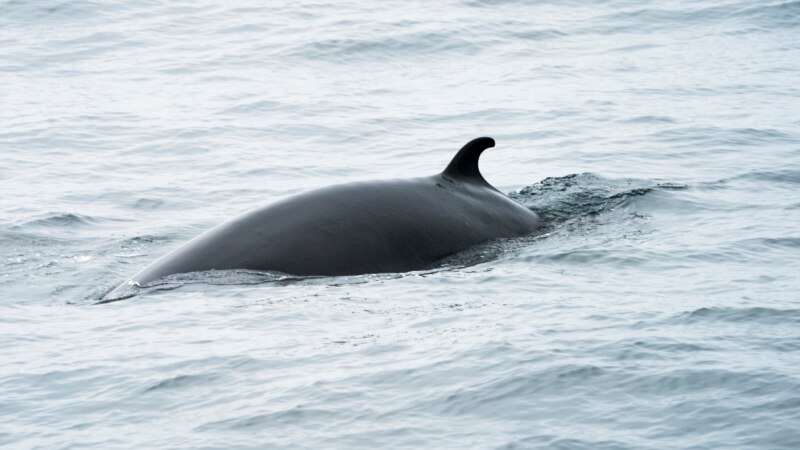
point(660, 310)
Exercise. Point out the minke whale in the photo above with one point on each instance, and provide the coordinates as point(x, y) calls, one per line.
point(358, 228)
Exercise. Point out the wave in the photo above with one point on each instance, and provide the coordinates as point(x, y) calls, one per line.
point(22, 11)
point(561, 198)
point(744, 16)
point(286, 417)
point(25, 239)
point(61, 220)
point(411, 45)
point(757, 314)
point(707, 136)
point(182, 382)
point(591, 257)
point(557, 379)
point(771, 16)
point(786, 176)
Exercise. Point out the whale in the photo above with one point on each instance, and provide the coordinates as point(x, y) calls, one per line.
point(366, 227)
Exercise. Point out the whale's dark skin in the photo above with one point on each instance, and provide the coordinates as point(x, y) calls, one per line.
point(360, 228)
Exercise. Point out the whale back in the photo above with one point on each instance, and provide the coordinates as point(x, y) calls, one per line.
point(356, 228)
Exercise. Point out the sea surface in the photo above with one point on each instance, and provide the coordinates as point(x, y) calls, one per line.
point(660, 309)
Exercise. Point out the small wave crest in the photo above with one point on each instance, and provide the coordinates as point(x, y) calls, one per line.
point(180, 382)
point(783, 176)
point(648, 18)
point(60, 220)
point(25, 12)
point(785, 14)
point(740, 315)
point(413, 45)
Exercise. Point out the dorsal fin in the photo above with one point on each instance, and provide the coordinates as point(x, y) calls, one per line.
point(465, 164)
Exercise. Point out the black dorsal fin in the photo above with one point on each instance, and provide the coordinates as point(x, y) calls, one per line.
point(465, 164)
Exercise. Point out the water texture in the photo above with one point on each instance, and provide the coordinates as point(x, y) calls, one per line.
point(660, 310)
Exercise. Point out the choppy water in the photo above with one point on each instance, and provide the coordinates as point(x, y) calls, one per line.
point(662, 140)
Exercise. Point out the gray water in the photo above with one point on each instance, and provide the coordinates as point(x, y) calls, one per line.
point(661, 141)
